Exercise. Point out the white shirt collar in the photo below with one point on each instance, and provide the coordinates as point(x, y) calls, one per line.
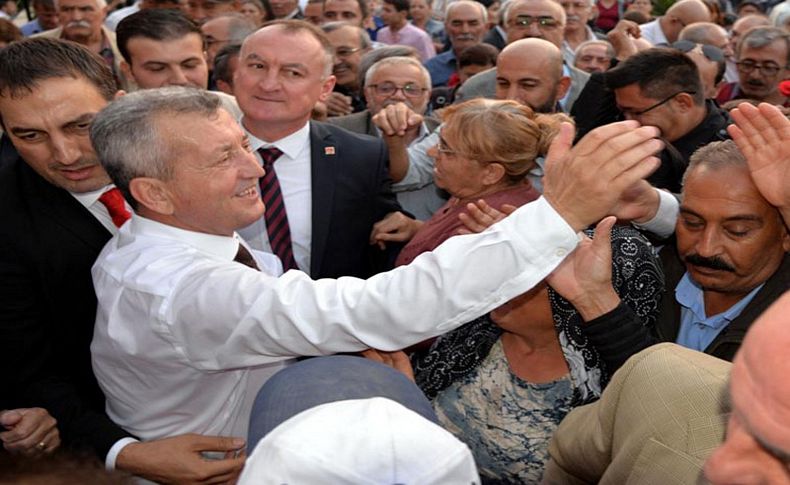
point(292, 145)
point(223, 247)
point(87, 199)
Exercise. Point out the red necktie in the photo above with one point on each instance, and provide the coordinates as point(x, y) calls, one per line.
point(113, 201)
point(275, 216)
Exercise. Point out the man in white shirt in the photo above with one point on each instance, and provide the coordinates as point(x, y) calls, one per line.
point(54, 219)
point(666, 29)
point(186, 332)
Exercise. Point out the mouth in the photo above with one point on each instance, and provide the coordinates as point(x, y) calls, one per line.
point(268, 100)
point(464, 37)
point(77, 174)
point(250, 192)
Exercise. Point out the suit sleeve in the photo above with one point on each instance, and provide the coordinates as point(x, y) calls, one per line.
point(618, 335)
point(31, 370)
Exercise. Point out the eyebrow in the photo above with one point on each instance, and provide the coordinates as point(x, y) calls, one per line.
point(737, 217)
point(83, 118)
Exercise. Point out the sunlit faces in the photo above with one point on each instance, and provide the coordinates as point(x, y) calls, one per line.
point(460, 176)
point(171, 62)
point(465, 26)
point(348, 52)
point(593, 58)
point(81, 19)
point(281, 76)
point(761, 69)
point(544, 19)
point(49, 128)
point(400, 77)
point(214, 185)
point(343, 10)
point(730, 237)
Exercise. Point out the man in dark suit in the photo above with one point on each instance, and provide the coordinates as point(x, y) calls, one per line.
point(328, 184)
point(57, 210)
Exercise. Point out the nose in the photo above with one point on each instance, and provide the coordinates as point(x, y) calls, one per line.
point(65, 151)
point(178, 77)
point(708, 243)
point(533, 30)
point(398, 95)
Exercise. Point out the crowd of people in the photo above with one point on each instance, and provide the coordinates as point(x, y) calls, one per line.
point(396, 241)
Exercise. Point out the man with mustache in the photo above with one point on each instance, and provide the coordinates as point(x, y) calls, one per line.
point(763, 61)
point(350, 42)
point(82, 21)
point(727, 263)
point(465, 24)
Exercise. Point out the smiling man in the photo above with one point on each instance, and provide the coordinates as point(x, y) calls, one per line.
point(465, 24)
point(350, 43)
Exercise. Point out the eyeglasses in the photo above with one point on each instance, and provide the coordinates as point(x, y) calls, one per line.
point(410, 90)
point(631, 112)
point(346, 51)
point(711, 52)
point(767, 69)
point(443, 148)
point(544, 22)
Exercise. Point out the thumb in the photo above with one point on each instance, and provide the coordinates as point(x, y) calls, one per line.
point(10, 418)
point(561, 144)
point(217, 443)
point(603, 232)
point(414, 119)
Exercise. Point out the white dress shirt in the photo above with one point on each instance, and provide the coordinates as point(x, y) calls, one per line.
point(293, 173)
point(91, 202)
point(184, 336)
point(652, 32)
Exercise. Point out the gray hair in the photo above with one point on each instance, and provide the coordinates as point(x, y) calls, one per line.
point(398, 61)
point(239, 27)
point(609, 49)
point(126, 138)
point(452, 5)
point(760, 37)
point(376, 55)
point(364, 38)
point(717, 155)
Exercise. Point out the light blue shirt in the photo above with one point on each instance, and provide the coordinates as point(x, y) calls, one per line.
point(697, 330)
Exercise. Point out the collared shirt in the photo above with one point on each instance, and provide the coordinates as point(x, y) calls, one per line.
point(652, 32)
point(441, 67)
point(697, 330)
point(90, 200)
point(569, 53)
point(185, 336)
point(293, 173)
point(30, 28)
point(411, 36)
point(112, 20)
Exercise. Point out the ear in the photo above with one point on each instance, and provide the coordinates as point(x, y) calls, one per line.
point(786, 241)
point(563, 86)
point(494, 173)
point(152, 194)
point(126, 70)
point(685, 101)
point(118, 94)
point(327, 86)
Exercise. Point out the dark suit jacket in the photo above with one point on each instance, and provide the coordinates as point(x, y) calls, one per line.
point(351, 192)
point(48, 243)
point(362, 123)
point(618, 336)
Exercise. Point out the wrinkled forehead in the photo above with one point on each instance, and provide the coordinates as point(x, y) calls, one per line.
point(537, 8)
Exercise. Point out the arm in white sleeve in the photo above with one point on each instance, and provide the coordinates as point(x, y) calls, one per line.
point(663, 223)
point(248, 318)
point(420, 172)
point(115, 450)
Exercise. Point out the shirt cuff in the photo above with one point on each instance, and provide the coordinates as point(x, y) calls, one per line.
point(112, 455)
point(663, 223)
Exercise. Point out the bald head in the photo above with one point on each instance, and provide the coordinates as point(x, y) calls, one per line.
point(529, 71)
point(682, 13)
point(534, 51)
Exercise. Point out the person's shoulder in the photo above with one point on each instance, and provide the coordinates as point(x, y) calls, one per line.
point(332, 132)
point(672, 361)
point(354, 122)
point(441, 58)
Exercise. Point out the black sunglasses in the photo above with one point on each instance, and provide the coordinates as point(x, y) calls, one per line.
point(712, 52)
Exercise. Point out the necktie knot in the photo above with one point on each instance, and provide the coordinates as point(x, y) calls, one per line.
point(269, 155)
point(113, 201)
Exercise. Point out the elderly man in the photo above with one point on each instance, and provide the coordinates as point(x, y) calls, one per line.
point(465, 24)
point(399, 80)
point(350, 43)
point(216, 318)
point(577, 30)
point(82, 21)
point(740, 27)
point(665, 29)
point(332, 185)
point(594, 56)
point(543, 19)
point(58, 209)
point(763, 61)
point(229, 28)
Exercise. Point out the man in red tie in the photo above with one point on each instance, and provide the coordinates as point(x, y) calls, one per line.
point(57, 210)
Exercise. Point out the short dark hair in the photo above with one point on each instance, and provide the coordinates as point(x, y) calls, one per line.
point(221, 68)
point(24, 64)
point(659, 72)
point(9, 32)
point(478, 55)
point(400, 5)
point(156, 24)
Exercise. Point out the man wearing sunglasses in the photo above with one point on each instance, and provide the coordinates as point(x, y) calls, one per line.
point(763, 61)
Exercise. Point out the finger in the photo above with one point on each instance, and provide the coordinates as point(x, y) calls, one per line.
point(220, 471)
point(10, 418)
point(603, 232)
point(508, 209)
point(635, 173)
point(216, 443)
point(52, 441)
point(614, 138)
point(470, 225)
point(613, 164)
point(561, 144)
